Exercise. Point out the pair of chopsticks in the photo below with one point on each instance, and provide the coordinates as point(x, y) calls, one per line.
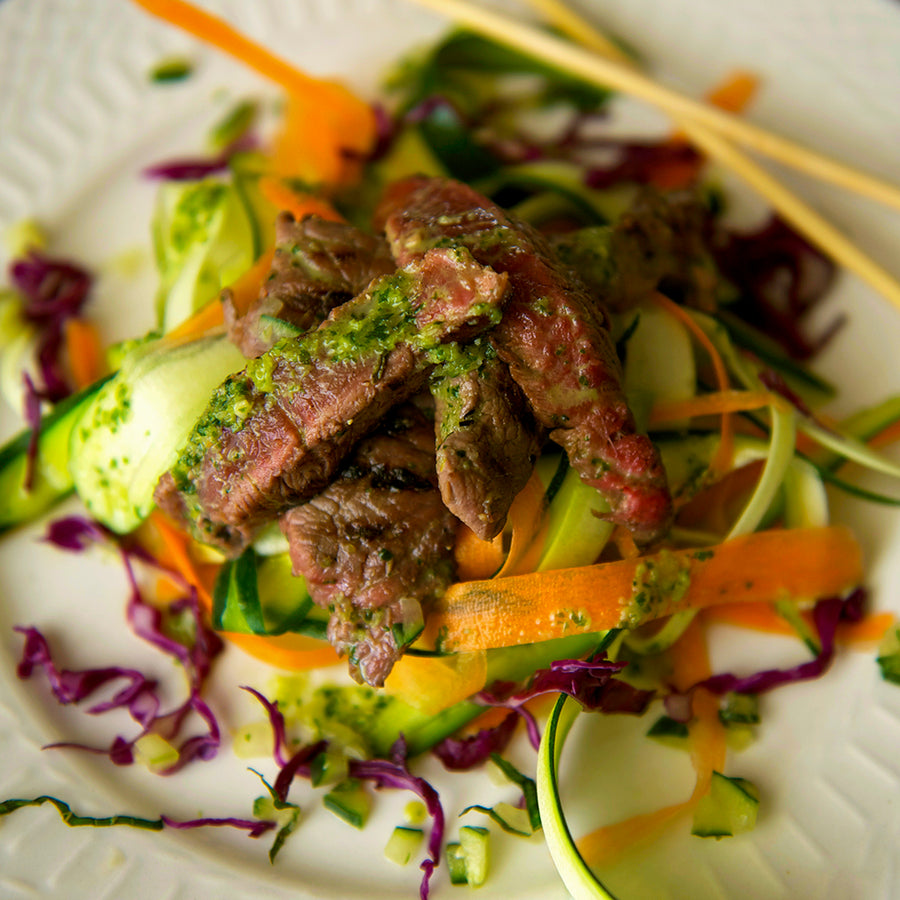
point(712, 130)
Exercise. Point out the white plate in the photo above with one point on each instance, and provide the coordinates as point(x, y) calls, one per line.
point(78, 119)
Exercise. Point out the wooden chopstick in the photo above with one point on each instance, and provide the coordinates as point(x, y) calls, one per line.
point(613, 73)
point(699, 129)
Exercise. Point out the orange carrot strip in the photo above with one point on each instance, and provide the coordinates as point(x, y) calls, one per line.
point(84, 351)
point(205, 319)
point(328, 128)
point(243, 292)
point(716, 403)
point(285, 651)
point(609, 842)
point(732, 95)
point(886, 436)
point(872, 628)
point(490, 718)
point(525, 519)
point(212, 30)
point(735, 92)
point(756, 568)
point(706, 738)
point(625, 543)
point(476, 558)
point(760, 617)
point(312, 146)
point(176, 544)
point(690, 664)
point(757, 617)
point(298, 204)
point(725, 451)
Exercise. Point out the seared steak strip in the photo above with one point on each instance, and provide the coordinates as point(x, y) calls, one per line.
point(377, 544)
point(275, 434)
point(317, 266)
point(658, 242)
point(487, 439)
point(553, 336)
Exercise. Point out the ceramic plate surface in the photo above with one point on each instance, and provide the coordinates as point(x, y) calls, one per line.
point(79, 119)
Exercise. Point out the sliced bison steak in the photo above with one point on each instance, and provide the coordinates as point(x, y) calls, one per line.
point(659, 241)
point(487, 438)
point(318, 265)
point(275, 434)
point(553, 336)
point(376, 545)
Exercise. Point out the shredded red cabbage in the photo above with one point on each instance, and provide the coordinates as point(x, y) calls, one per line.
point(781, 277)
point(298, 764)
point(385, 132)
point(394, 773)
point(195, 168)
point(54, 290)
point(462, 754)
point(774, 381)
point(139, 695)
point(75, 533)
point(589, 681)
point(188, 169)
point(645, 162)
point(276, 720)
point(827, 615)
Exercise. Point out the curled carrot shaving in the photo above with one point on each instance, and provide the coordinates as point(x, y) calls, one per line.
point(886, 437)
point(764, 618)
point(177, 554)
point(476, 558)
point(526, 521)
point(205, 319)
point(761, 567)
point(328, 129)
point(871, 629)
point(715, 403)
point(431, 684)
point(625, 543)
point(243, 292)
point(298, 204)
point(706, 741)
point(285, 651)
point(735, 93)
point(84, 351)
point(725, 451)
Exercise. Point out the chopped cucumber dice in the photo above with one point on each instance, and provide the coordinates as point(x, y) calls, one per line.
point(403, 844)
point(730, 808)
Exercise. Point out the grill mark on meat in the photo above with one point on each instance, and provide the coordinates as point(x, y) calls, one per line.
point(376, 545)
point(275, 434)
point(553, 336)
point(317, 266)
point(487, 439)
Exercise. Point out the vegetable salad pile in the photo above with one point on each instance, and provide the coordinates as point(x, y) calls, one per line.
point(562, 612)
